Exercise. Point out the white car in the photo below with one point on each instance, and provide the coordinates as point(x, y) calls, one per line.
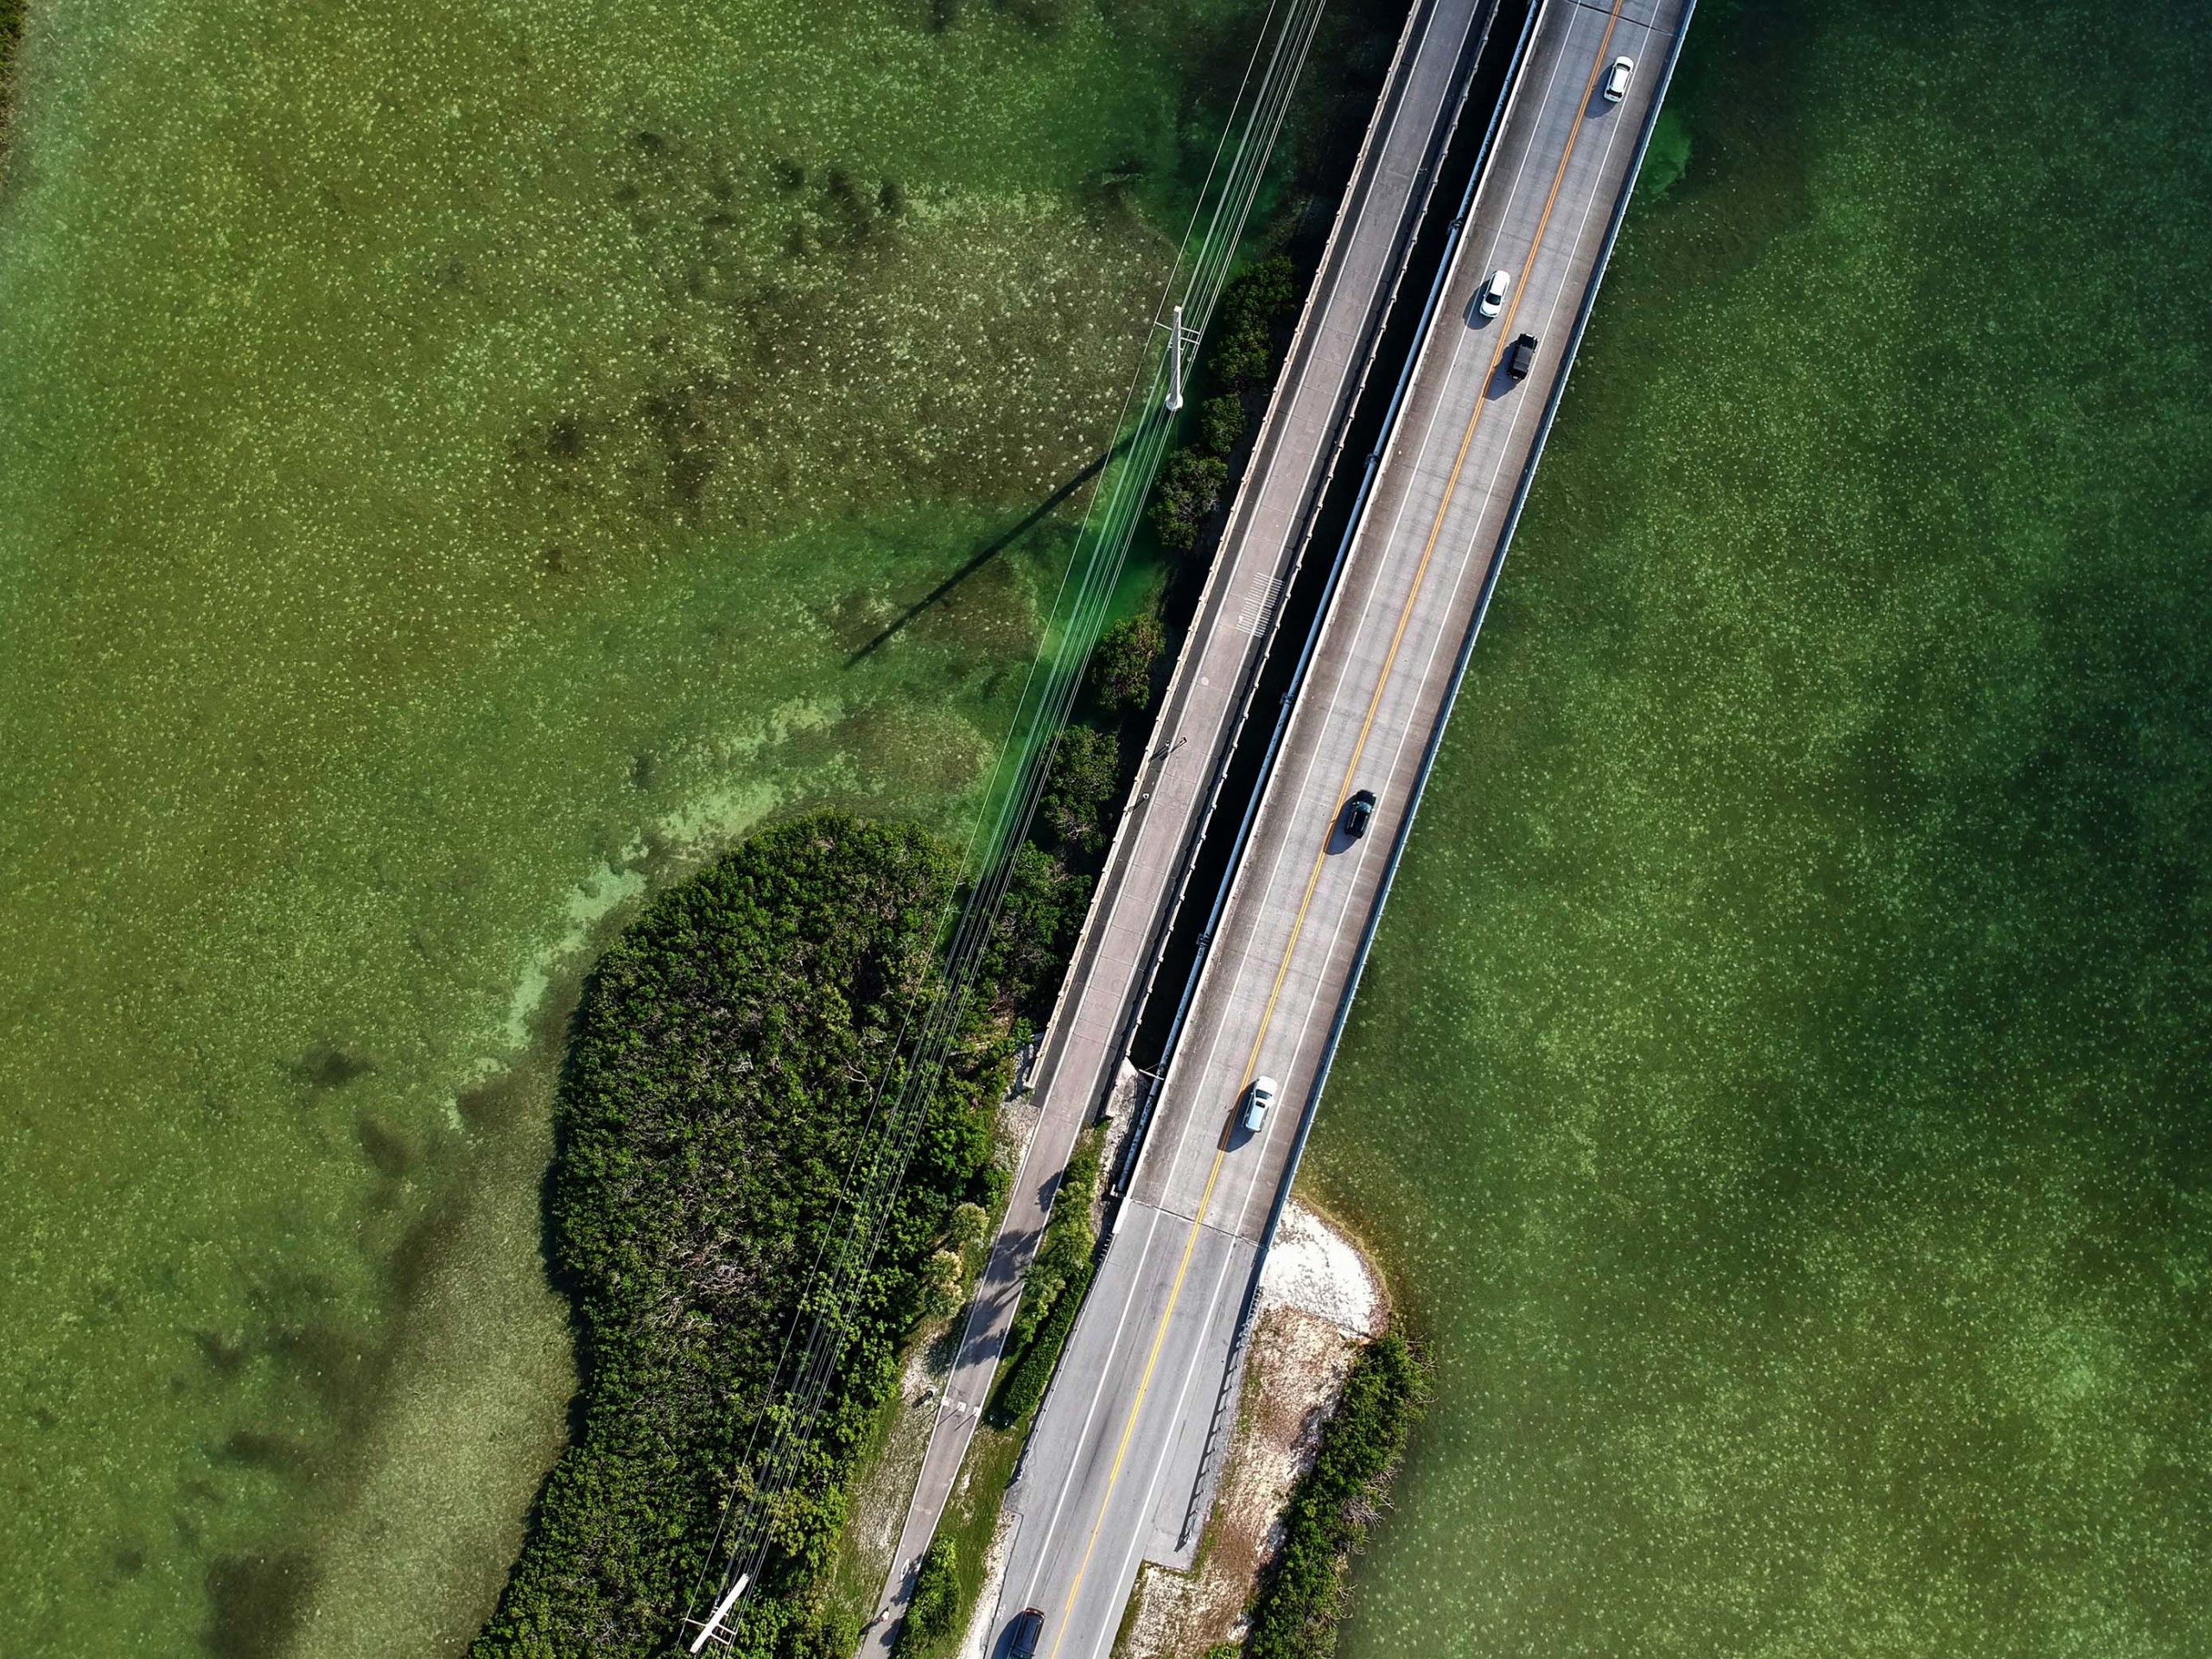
point(1492, 299)
point(1617, 78)
point(1257, 1103)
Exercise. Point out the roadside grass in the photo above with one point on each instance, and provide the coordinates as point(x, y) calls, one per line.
point(970, 1521)
point(855, 1578)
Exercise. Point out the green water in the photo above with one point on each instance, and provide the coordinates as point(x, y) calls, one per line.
point(450, 461)
point(1780, 1087)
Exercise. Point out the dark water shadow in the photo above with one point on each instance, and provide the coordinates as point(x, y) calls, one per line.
point(257, 1602)
point(981, 557)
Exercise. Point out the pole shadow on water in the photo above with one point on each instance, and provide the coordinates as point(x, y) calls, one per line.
point(982, 557)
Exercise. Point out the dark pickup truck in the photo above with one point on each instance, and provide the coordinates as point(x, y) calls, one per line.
point(1520, 356)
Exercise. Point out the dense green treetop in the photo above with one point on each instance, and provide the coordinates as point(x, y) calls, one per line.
point(727, 1058)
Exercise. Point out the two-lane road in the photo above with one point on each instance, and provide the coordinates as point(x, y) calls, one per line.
point(1114, 1472)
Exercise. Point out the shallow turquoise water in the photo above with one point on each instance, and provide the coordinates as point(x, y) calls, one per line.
point(1780, 1085)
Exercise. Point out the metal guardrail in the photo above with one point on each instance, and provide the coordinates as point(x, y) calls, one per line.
point(1336, 571)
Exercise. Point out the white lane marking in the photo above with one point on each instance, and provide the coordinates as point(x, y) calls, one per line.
point(1255, 605)
point(1176, 1175)
point(1090, 1413)
point(1514, 425)
point(1107, 1629)
point(1516, 438)
point(1265, 908)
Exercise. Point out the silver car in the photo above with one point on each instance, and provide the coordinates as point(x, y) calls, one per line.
point(1617, 78)
point(1257, 1103)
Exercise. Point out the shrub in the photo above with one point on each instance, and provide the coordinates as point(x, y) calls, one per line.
point(1052, 1287)
point(970, 1226)
point(1243, 352)
point(828, 1636)
point(1064, 1254)
point(1030, 1373)
point(1035, 933)
point(1221, 423)
point(936, 1598)
point(1121, 669)
point(1189, 488)
point(1085, 769)
point(941, 1277)
point(719, 1077)
point(1301, 1595)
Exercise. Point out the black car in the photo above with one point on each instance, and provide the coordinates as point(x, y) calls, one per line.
point(1029, 1625)
point(1520, 356)
point(1357, 812)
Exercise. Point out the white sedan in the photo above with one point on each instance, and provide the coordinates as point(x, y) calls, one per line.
point(1617, 78)
point(1492, 299)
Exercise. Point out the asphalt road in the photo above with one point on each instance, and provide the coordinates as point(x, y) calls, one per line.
point(1081, 1069)
point(1117, 1469)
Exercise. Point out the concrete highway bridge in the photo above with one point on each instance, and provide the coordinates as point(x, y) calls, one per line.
point(1121, 1466)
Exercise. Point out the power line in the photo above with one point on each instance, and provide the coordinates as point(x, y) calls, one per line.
point(876, 1169)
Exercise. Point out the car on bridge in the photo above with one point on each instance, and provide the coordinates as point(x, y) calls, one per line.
point(1359, 812)
point(1492, 299)
point(1521, 357)
point(1257, 1103)
point(1617, 78)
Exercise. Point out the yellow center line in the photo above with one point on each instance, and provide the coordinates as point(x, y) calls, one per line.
point(1320, 858)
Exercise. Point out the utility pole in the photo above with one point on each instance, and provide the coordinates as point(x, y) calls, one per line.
point(1178, 341)
point(712, 1630)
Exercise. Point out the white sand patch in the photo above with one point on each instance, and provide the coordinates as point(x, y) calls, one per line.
point(1314, 1268)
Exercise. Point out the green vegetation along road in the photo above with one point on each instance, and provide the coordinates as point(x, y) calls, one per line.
point(1779, 1085)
